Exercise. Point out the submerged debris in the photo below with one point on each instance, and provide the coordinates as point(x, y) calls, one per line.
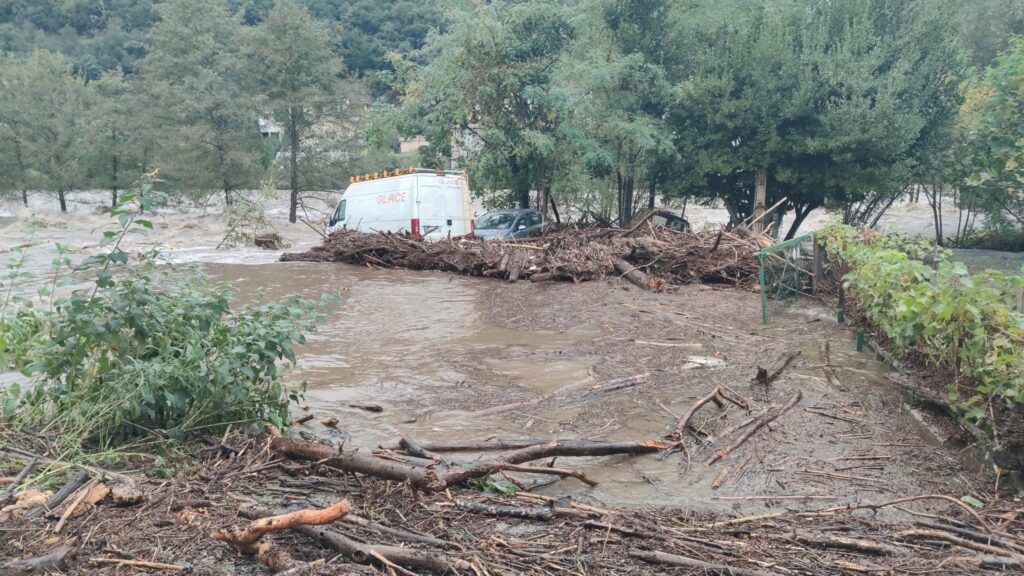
point(650, 257)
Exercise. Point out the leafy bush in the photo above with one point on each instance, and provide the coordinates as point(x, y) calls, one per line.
point(962, 321)
point(149, 349)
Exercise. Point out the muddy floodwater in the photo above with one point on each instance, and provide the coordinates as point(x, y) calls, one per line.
point(435, 351)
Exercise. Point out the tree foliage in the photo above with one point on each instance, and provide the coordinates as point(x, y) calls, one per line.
point(992, 153)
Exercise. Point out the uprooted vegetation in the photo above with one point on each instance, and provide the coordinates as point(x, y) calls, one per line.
point(648, 256)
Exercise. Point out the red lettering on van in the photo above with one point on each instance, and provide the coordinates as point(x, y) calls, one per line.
point(393, 198)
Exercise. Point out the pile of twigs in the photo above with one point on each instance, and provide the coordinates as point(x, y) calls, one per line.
point(648, 256)
point(274, 514)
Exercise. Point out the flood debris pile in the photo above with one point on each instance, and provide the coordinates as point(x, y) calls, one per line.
point(648, 256)
point(262, 505)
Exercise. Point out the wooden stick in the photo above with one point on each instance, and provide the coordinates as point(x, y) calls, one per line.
point(956, 541)
point(768, 417)
point(17, 480)
point(66, 491)
point(782, 365)
point(685, 420)
point(243, 539)
point(704, 567)
point(82, 493)
point(139, 563)
point(549, 470)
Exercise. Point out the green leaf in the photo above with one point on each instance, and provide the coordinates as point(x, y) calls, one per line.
point(968, 499)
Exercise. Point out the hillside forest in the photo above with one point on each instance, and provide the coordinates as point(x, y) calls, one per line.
point(600, 107)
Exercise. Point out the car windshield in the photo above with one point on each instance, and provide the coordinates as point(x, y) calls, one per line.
point(496, 221)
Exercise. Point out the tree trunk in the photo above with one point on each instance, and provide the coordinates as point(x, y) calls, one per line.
point(113, 180)
point(63, 201)
point(293, 129)
point(520, 182)
point(21, 169)
point(800, 213)
point(760, 198)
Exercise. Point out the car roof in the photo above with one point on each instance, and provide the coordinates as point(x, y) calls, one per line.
point(511, 211)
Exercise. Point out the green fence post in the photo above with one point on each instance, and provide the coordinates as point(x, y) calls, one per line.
point(764, 295)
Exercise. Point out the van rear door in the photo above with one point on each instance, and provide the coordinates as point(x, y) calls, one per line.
point(434, 222)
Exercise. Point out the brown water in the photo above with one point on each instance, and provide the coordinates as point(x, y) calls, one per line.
point(428, 348)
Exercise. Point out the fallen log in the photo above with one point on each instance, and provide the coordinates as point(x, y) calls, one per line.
point(243, 539)
point(433, 478)
point(631, 273)
point(48, 562)
point(769, 416)
point(705, 567)
point(416, 476)
point(557, 448)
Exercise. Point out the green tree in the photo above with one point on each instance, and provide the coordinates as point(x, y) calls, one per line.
point(118, 151)
point(992, 120)
point(618, 95)
point(200, 106)
point(825, 99)
point(299, 76)
point(49, 115)
point(488, 85)
point(14, 127)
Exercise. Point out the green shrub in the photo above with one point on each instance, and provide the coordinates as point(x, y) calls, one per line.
point(149, 350)
point(924, 302)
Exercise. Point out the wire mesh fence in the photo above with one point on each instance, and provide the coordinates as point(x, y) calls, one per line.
point(785, 273)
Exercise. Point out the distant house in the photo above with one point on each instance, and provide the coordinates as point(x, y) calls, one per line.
point(406, 145)
point(270, 129)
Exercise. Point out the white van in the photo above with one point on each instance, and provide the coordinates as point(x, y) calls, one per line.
point(429, 203)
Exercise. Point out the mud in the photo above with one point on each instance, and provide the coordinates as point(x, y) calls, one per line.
point(432, 349)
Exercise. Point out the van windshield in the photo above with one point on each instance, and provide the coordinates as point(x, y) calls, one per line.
point(339, 214)
point(496, 221)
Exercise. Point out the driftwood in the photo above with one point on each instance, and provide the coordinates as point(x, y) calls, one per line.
point(362, 553)
point(781, 366)
point(633, 274)
point(768, 417)
point(560, 253)
point(685, 420)
point(243, 539)
point(578, 389)
point(418, 477)
point(704, 567)
point(48, 562)
point(17, 480)
point(842, 543)
point(437, 476)
point(60, 496)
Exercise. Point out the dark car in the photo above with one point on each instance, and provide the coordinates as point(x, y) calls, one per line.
point(508, 224)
